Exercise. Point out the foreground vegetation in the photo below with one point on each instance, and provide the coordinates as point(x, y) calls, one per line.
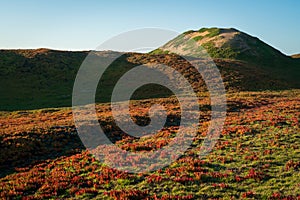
point(256, 157)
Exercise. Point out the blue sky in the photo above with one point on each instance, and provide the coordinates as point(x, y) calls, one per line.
point(78, 25)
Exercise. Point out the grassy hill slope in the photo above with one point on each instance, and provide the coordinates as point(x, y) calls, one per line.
point(43, 78)
point(236, 45)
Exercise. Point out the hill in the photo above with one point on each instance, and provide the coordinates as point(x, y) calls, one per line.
point(41, 78)
point(232, 44)
point(226, 43)
point(37, 78)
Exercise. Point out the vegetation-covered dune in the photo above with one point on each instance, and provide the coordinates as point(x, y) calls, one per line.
point(42, 78)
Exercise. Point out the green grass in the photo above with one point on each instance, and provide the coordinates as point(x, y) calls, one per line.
point(223, 52)
point(212, 32)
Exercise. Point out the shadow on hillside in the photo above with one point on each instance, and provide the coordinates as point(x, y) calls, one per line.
point(29, 148)
point(237, 105)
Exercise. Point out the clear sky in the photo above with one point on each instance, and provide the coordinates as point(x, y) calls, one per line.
point(82, 25)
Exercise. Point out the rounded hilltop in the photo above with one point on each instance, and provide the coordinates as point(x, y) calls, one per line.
point(226, 43)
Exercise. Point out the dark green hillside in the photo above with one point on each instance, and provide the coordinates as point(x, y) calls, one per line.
point(37, 78)
point(41, 78)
